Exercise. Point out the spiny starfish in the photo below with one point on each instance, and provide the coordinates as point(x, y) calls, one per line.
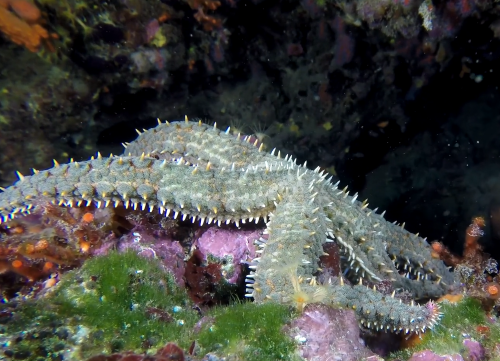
point(197, 171)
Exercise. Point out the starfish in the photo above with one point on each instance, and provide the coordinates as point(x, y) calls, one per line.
point(193, 170)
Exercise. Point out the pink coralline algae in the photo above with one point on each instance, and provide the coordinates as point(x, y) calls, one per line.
point(344, 45)
point(229, 247)
point(475, 349)
point(431, 356)
point(169, 252)
point(324, 334)
point(151, 241)
point(151, 29)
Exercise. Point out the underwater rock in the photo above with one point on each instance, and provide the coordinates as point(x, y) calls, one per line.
point(431, 356)
point(324, 333)
point(476, 350)
point(151, 238)
point(170, 352)
point(230, 247)
point(168, 251)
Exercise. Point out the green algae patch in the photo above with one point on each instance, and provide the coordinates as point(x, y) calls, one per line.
point(248, 331)
point(129, 302)
point(123, 302)
point(463, 320)
point(113, 303)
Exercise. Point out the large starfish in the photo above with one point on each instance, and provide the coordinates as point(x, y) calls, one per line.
point(197, 171)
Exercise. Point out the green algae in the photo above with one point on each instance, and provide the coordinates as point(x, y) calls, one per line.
point(460, 321)
point(122, 297)
point(118, 302)
point(249, 332)
point(123, 302)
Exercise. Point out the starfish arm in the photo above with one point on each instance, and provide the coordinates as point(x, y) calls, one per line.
point(145, 182)
point(105, 181)
point(296, 232)
point(375, 249)
point(199, 143)
point(284, 272)
point(381, 312)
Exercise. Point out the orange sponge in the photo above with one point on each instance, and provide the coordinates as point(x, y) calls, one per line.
point(21, 24)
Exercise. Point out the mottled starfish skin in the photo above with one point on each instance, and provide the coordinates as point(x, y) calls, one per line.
point(196, 171)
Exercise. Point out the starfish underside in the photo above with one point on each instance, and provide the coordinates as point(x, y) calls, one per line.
point(197, 171)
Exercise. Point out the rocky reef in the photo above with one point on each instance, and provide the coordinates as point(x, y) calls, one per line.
point(202, 244)
point(129, 261)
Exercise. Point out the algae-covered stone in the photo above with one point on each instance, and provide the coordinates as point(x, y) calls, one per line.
point(124, 302)
point(115, 296)
point(105, 307)
point(248, 331)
